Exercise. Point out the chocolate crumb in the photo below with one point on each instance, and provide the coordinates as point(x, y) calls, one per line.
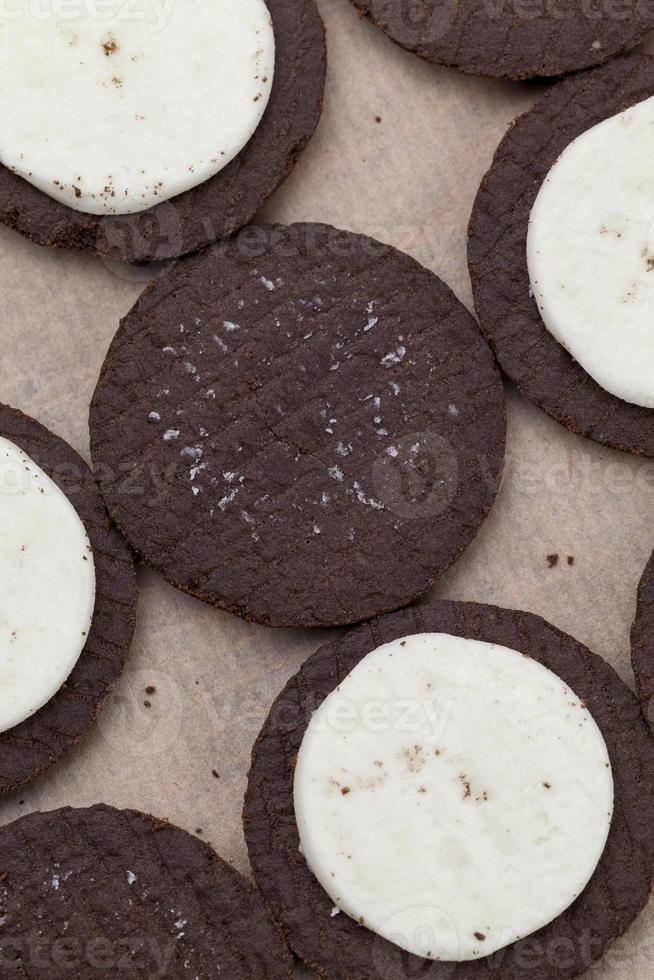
point(148, 704)
point(480, 936)
point(151, 689)
point(345, 790)
point(571, 559)
point(215, 774)
point(552, 560)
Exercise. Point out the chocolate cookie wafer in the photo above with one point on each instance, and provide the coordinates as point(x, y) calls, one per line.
point(642, 643)
point(102, 891)
point(302, 426)
point(513, 39)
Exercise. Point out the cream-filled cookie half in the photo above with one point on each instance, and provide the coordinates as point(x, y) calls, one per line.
point(47, 587)
point(590, 253)
point(112, 107)
point(453, 796)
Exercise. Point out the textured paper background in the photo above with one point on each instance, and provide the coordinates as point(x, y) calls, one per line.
point(410, 180)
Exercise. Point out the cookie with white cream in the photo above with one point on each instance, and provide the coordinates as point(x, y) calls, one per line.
point(560, 254)
point(154, 128)
point(67, 598)
point(447, 791)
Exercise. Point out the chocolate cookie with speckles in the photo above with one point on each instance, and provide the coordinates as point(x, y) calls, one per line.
point(96, 892)
point(642, 643)
point(222, 204)
point(335, 946)
point(512, 39)
point(527, 352)
point(30, 748)
point(303, 426)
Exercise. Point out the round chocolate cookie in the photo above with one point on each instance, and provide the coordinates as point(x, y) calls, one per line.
point(302, 426)
point(104, 892)
point(338, 947)
point(222, 204)
point(527, 352)
point(33, 746)
point(642, 643)
point(511, 40)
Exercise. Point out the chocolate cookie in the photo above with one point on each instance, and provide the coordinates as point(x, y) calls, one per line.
point(302, 426)
point(337, 947)
point(33, 746)
point(222, 204)
point(642, 643)
point(528, 354)
point(96, 892)
point(511, 40)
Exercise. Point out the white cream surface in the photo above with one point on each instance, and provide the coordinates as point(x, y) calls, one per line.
point(47, 587)
point(452, 796)
point(590, 252)
point(112, 107)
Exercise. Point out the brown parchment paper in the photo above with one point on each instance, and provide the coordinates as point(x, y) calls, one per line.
point(410, 180)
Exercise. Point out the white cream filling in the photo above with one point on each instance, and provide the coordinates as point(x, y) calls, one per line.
point(112, 107)
point(47, 587)
point(453, 796)
point(590, 251)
